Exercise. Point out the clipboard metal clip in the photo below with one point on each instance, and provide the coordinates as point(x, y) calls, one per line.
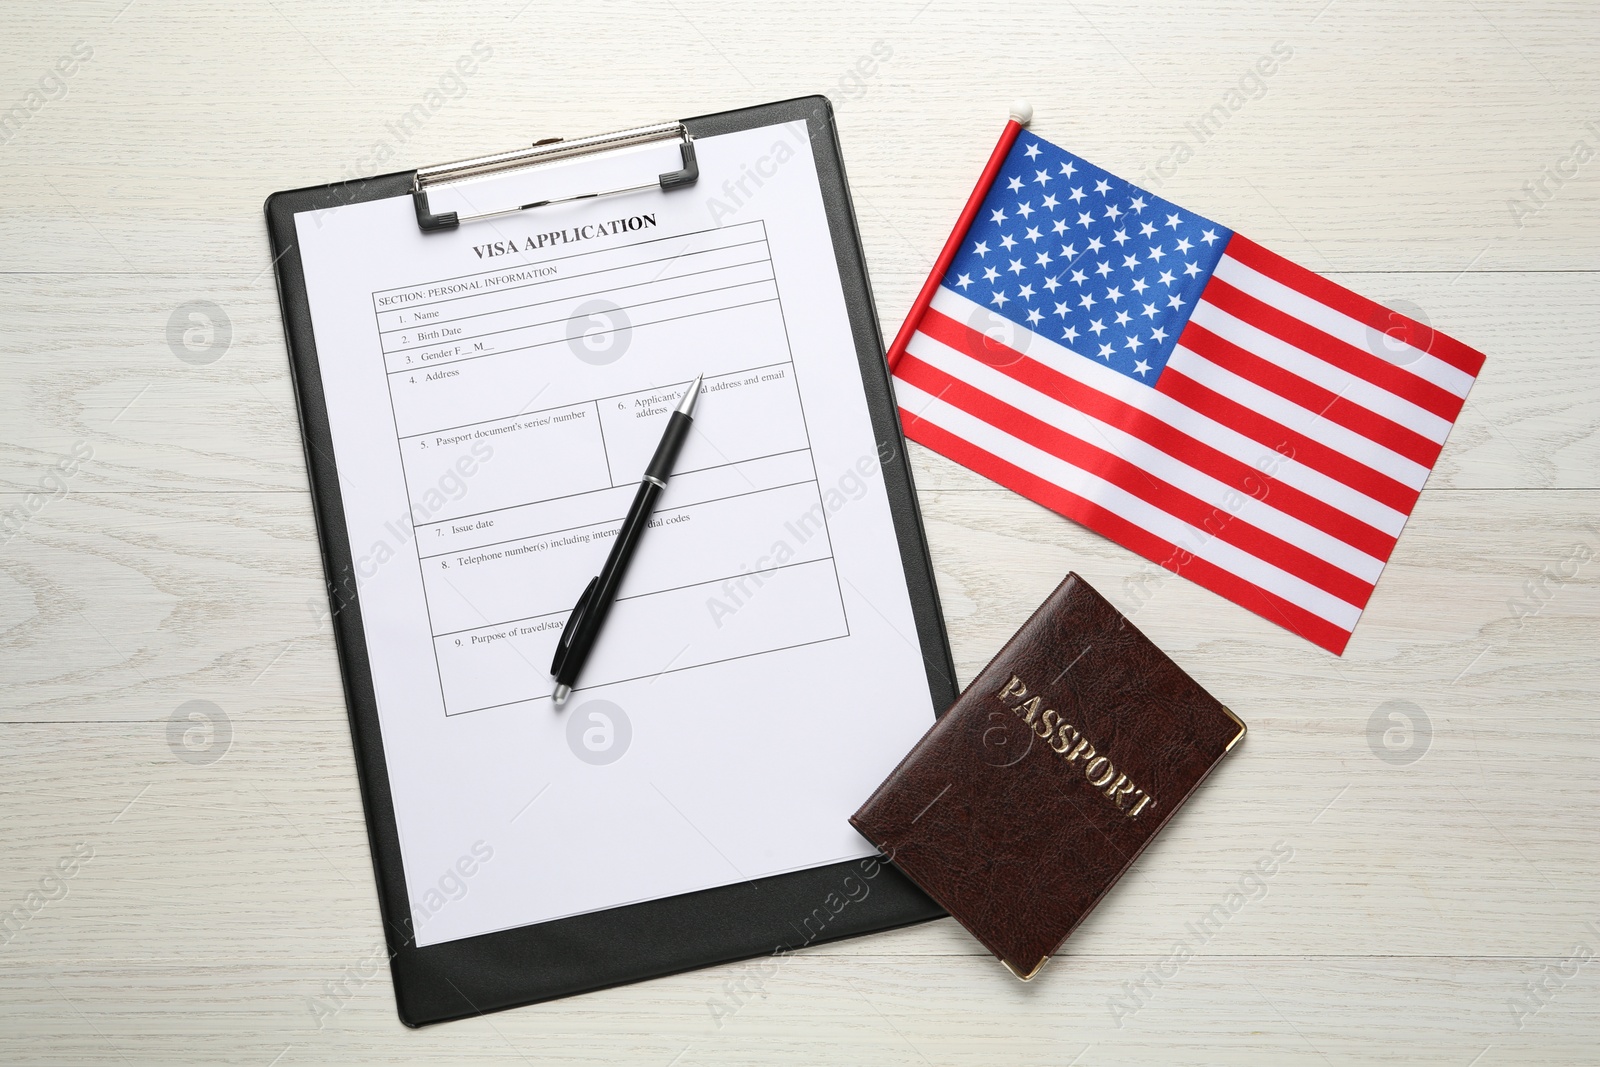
point(549, 151)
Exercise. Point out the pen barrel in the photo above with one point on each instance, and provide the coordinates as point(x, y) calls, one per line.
point(579, 641)
point(633, 525)
point(671, 443)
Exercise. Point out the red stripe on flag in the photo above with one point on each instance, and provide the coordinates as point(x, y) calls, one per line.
point(1269, 606)
point(1309, 395)
point(1367, 312)
point(1312, 453)
point(1348, 358)
point(1227, 469)
point(1212, 519)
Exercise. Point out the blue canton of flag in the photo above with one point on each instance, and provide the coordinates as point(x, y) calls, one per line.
point(1076, 254)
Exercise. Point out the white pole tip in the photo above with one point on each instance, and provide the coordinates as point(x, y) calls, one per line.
point(1021, 111)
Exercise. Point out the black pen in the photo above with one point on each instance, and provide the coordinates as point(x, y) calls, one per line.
point(583, 625)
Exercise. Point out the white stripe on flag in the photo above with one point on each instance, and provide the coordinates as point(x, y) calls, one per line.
point(1074, 479)
point(1319, 372)
point(1337, 324)
point(1301, 420)
point(1201, 427)
point(1147, 458)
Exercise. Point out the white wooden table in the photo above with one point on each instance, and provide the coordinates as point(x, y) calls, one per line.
point(1442, 860)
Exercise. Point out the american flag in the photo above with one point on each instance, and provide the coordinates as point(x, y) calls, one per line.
point(1178, 388)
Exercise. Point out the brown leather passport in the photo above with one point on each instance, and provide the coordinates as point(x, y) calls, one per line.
point(1031, 796)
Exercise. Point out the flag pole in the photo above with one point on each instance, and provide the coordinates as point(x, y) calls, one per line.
point(1021, 114)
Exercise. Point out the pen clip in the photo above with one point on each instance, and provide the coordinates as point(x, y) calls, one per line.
point(573, 620)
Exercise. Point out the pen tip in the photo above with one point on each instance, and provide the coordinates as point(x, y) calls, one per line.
point(561, 694)
point(691, 396)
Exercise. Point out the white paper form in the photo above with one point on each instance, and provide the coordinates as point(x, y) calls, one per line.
point(494, 394)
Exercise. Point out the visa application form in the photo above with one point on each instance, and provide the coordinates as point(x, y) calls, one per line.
point(494, 394)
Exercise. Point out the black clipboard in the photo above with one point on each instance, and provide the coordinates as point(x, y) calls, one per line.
point(574, 955)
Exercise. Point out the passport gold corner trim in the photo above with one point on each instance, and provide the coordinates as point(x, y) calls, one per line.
point(1029, 976)
point(1243, 729)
